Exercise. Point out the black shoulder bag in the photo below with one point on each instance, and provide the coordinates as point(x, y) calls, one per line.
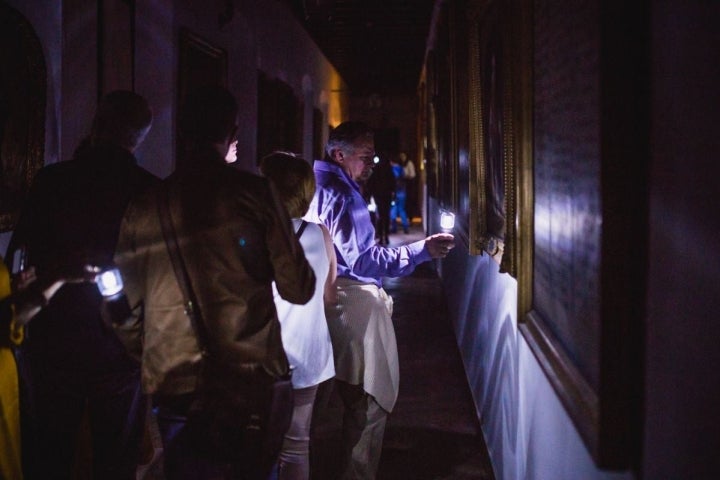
point(236, 417)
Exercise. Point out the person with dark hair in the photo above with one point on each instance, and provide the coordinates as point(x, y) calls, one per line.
point(363, 337)
point(410, 184)
point(234, 239)
point(304, 328)
point(76, 364)
point(381, 187)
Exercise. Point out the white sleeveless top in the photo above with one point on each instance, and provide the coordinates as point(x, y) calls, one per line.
point(304, 330)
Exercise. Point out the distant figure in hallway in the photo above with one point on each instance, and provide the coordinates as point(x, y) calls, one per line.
point(304, 328)
point(410, 185)
point(363, 338)
point(76, 363)
point(381, 186)
point(398, 205)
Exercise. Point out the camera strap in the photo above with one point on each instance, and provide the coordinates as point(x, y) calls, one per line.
point(300, 231)
point(192, 308)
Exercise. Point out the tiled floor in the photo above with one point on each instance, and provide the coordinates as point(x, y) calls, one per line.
point(433, 432)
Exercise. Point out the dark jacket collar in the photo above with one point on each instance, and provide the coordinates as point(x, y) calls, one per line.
point(200, 157)
point(103, 152)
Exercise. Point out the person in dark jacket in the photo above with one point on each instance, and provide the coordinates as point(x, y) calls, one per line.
point(75, 362)
point(381, 186)
point(234, 238)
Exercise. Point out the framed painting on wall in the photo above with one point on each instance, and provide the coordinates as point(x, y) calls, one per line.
point(280, 117)
point(582, 215)
point(492, 149)
point(199, 64)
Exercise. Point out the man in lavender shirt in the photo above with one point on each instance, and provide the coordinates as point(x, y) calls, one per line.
point(361, 329)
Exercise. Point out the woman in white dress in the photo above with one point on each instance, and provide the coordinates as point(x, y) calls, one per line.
point(305, 333)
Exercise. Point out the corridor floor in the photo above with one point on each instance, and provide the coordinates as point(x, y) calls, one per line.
point(433, 432)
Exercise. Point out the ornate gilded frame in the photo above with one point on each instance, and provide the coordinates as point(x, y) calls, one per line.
point(492, 173)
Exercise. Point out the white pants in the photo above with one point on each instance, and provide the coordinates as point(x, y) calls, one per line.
point(295, 454)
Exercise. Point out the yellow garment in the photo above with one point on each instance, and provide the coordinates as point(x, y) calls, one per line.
point(10, 467)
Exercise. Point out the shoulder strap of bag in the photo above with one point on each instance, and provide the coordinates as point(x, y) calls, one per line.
point(192, 309)
point(300, 231)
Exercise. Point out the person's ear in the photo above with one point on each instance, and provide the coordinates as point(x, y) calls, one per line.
point(337, 155)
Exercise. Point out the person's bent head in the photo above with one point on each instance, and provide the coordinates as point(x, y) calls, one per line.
point(351, 145)
point(208, 118)
point(122, 118)
point(293, 178)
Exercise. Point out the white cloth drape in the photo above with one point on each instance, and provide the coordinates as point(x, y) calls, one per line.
point(363, 339)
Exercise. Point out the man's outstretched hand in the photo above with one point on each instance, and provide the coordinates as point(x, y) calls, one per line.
point(440, 244)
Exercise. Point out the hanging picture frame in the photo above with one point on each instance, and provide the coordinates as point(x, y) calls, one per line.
point(582, 210)
point(492, 136)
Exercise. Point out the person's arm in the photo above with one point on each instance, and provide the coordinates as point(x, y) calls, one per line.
point(29, 297)
point(353, 236)
point(33, 295)
point(400, 261)
point(330, 293)
point(294, 278)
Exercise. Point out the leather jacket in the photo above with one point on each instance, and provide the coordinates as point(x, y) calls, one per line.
point(235, 238)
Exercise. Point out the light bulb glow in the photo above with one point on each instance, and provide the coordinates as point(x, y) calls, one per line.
point(109, 282)
point(447, 220)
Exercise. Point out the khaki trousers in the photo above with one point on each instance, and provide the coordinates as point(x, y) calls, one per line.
point(363, 428)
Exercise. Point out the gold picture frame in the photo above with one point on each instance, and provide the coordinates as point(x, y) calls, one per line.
point(492, 116)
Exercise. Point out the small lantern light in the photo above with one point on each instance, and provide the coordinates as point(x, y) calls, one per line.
point(109, 282)
point(447, 221)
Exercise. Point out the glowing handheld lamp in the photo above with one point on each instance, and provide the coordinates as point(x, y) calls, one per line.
point(109, 282)
point(447, 221)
